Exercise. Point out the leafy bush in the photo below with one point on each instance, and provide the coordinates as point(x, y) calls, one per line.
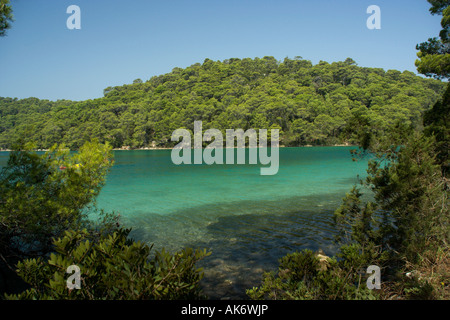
point(42, 195)
point(303, 276)
point(113, 268)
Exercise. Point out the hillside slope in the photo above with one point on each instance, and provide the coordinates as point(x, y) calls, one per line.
point(311, 104)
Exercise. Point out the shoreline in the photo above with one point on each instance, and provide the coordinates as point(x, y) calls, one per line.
point(282, 146)
point(167, 148)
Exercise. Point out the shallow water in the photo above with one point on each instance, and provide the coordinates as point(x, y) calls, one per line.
point(248, 221)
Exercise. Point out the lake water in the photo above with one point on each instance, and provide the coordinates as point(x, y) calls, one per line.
point(248, 221)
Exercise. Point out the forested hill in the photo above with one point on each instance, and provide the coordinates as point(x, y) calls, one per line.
point(311, 104)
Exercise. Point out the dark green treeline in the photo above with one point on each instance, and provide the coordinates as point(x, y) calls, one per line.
point(310, 104)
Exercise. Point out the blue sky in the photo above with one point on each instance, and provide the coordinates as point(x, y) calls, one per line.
point(120, 41)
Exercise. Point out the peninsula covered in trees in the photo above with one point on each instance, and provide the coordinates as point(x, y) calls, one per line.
point(310, 104)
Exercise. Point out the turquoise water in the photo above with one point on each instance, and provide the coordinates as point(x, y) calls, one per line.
point(248, 221)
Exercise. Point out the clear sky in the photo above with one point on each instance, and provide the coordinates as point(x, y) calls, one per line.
point(120, 41)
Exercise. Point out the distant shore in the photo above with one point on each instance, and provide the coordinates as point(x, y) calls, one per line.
point(127, 148)
point(282, 146)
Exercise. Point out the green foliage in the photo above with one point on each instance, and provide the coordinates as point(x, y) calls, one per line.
point(437, 6)
point(112, 268)
point(437, 65)
point(434, 55)
point(412, 191)
point(312, 104)
point(44, 194)
point(437, 122)
point(355, 222)
point(303, 276)
point(407, 221)
point(6, 16)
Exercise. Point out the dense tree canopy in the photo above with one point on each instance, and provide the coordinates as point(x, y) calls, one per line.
point(310, 103)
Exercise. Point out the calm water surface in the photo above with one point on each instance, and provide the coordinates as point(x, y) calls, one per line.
point(246, 220)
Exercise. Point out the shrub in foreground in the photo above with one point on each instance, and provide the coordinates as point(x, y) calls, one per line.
point(113, 268)
point(305, 276)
